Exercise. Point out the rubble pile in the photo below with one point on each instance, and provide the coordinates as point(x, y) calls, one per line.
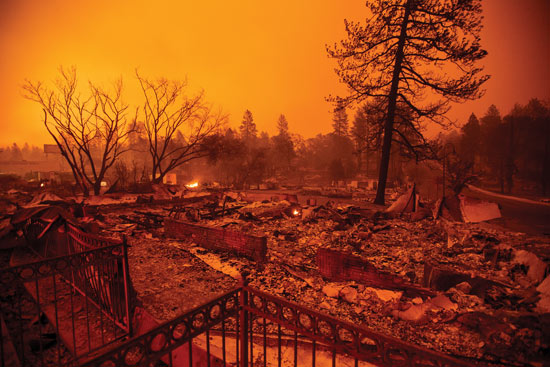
point(466, 289)
point(487, 308)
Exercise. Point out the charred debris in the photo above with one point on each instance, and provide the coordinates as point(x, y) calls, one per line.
point(434, 274)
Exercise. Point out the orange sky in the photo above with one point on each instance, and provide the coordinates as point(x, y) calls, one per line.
point(268, 57)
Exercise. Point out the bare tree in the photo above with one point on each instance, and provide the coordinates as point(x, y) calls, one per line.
point(90, 131)
point(408, 48)
point(167, 111)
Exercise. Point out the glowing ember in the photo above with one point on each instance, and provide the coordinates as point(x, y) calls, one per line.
point(194, 184)
point(296, 212)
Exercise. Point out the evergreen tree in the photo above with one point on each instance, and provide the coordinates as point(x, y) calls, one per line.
point(282, 126)
point(283, 145)
point(359, 133)
point(340, 120)
point(470, 142)
point(408, 48)
point(248, 127)
point(494, 149)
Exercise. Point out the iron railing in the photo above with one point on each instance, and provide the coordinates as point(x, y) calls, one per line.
point(107, 286)
point(46, 322)
point(186, 340)
point(80, 241)
point(263, 330)
point(335, 337)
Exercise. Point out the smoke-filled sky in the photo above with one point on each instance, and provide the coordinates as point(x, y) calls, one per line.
point(268, 57)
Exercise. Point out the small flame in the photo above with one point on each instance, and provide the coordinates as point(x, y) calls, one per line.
point(42, 184)
point(296, 212)
point(194, 184)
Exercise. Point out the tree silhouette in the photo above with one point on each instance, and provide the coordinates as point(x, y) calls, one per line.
point(470, 142)
point(248, 127)
point(340, 120)
point(16, 153)
point(406, 49)
point(283, 145)
point(167, 110)
point(282, 126)
point(359, 134)
point(90, 131)
point(494, 149)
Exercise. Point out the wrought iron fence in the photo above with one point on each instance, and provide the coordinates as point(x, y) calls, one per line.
point(80, 241)
point(334, 338)
point(204, 336)
point(247, 327)
point(107, 286)
point(60, 310)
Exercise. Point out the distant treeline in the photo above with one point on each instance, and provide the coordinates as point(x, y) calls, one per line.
point(509, 149)
point(500, 151)
point(16, 154)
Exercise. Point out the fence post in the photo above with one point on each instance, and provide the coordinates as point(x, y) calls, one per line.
point(70, 250)
point(67, 251)
point(126, 275)
point(243, 315)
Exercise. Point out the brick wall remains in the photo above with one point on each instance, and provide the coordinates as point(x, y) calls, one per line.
point(220, 239)
point(340, 267)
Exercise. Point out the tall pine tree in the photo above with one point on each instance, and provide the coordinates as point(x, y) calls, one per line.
point(405, 49)
point(248, 127)
point(340, 120)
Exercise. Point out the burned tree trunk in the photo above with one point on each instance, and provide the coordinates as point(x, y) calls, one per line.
point(392, 101)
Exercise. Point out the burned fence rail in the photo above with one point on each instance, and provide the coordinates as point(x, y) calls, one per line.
point(48, 321)
point(78, 240)
point(219, 239)
point(334, 337)
point(247, 327)
point(106, 285)
point(185, 340)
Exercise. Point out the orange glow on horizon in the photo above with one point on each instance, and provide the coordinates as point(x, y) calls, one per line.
point(268, 57)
